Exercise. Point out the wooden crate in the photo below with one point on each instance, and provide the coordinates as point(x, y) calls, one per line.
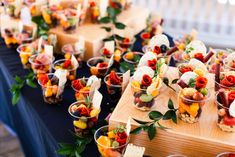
point(135, 17)
point(202, 139)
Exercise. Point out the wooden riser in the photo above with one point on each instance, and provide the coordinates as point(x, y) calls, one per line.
point(204, 139)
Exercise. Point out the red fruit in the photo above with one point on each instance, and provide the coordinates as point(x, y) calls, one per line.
point(84, 111)
point(121, 138)
point(102, 65)
point(152, 64)
point(230, 121)
point(231, 97)
point(201, 82)
point(231, 155)
point(232, 65)
point(145, 35)
point(92, 4)
point(126, 40)
point(185, 69)
point(199, 56)
point(228, 81)
point(157, 50)
point(77, 84)
point(198, 96)
point(67, 64)
point(43, 78)
point(146, 81)
point(106, 52)
point(114, 78)
point(137, 100)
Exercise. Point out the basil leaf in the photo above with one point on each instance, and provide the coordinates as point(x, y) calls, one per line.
point(64, 151)
point(108, 39)
point(118, 37)
point(192, 82)
point(15, 98)
point(105, 19)
point(119, 25)
point(170, 104)
point(155, 115)
point(30, 83)
point(113, 12)
point(161, 126)
point(152, 131)
point(18, 79)
point(136, 131)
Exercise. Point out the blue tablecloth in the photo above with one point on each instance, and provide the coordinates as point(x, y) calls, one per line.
point(39, 126)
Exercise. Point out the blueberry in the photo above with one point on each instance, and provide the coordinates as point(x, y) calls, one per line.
point(163, 48)
point(76, 113)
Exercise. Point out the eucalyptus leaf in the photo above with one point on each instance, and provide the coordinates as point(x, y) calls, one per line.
point(119, 25)
point(155, 115)
point(136, 130)
point(166, 81)
point(105, 19)
point(152, 130)
point(107, 29)
point(170, 104)
point(140, 122)
point(174, 81)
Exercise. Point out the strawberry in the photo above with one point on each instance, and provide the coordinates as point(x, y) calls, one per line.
point(145, 35)
point(232, 65)
point(126, 40)
point(43, 78)
point(76, 84)
point(67, 64)
point(199, 56)
point(102, 65)
point(114, 78)
point(106, 52)
point(230, 121)
point(157, 50)
point(185, 69)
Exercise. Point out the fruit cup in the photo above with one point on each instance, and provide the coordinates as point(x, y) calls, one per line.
point(106, 144)
point(83, 92)
point(99, 66)
point(190, 104)
point(52, 93)
point(132, 58)
point(225, 121)
point(41, 64)
point(105, 52)
point(69, 50)
point(10, 9)
point(49, 14)
point(69, 24)
point(125, 43)
point(25, 51)
point(145, 36)
point(226, 81)
point(226, 154)
point(113, 83)
point(219, 56)
point(84, 117)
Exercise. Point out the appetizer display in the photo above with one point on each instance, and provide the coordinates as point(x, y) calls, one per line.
point(226, 110)
point(145, 87)
point(25, 51)
point(70, 65)
point(99, 66)
point(192, 96)
point(74, 49)
point(84, 87)
point(111, 142)
point(85, 117)
point(52, 89)
point(193, 65)
point(132, 57)
point(41, 63)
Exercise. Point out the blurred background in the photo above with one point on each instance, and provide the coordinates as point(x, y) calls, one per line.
point(213, 19)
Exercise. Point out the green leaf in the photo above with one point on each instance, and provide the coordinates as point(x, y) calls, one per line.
point(155, 115)
point(18, 80)
point(118, 37)
point(15, 98)
point(108, 29)
point(108, 39)
point(77, 154)
point(174, 117)
point(170, 104)
point(152, 131)
point(64, 151)
point(192, 82)
point(30, 83)
point(167, 115)
point(66, 145)
point(120, 25)
point(174, 81)
point(127, 66)
point(140, 122)
point(136, 58)
point(113, 12)
point(136, 130)
point(105, 19)
point(161, 126)
point(80, 148)
point(166, 81)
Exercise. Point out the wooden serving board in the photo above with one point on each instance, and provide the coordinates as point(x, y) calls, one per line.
point(202, 139)
point(134, 17)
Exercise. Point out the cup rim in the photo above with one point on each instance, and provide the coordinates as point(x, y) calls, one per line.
point(20, 46)
point(34, 56)
point(41, 83)
point(141, 89)
point(197, 101)
point(223, 86)
point(107, 76)
point(107, 126)
point(224, 153)
point(226, 65)
point(86, 78)
point(78, 117)
point(62, 60)
point(218, 103)
point(133, 39)
point(81, 51)
point(101, 50)
point(95, 58)
point(135, 52)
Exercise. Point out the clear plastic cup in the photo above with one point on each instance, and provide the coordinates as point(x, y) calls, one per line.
point(145, 36)
point(70, 24)
point(101, 51)
point(25, 51)
point(52, 93)
point(70, 50)
point(83, 93)
point(40, 68)
point(125, 45)
point(98, 71)
point(226, 154)
point(221, 86)
point(71, 73)
point(82, 125)
point(131, 61)
point(114, 91)
point(107, 151)
point(224, 118)
point(184, 65)
point(190, 110)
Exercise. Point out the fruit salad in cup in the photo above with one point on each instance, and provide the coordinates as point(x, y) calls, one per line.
point(226, 80)
point(99, 66)
point(226, 110)
point(105, 52)
point(192, 96)
point(52, 93)
point(111, 142)
point(226, 154)
point(69, 20)
point(113, 83)
point(145, 87)
point(25, 51)
point(69, 65)
point(50, 14)
point(193, 65)
point(82, 87)
point(132, 57)
point(41, 63)
point(85, 117)
point(94, 12)
point(229, 62)
point(125, 43)
point(70, 49)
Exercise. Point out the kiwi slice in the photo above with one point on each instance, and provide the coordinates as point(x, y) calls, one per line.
point(146, 98)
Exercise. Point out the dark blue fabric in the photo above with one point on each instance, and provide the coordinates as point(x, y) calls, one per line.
point(39, 126)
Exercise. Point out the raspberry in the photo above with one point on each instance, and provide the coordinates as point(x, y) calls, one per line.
point(67, 64)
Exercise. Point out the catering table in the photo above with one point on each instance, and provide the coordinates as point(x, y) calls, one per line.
point(40, 126)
